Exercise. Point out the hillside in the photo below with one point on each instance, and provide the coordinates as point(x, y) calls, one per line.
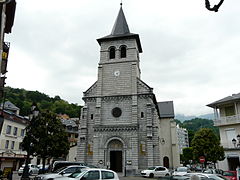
point(182, 117)
point(23, 99)
point(195, 124)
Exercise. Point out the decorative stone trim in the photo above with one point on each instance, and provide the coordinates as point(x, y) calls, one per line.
point(116, 98)
point(115, 128)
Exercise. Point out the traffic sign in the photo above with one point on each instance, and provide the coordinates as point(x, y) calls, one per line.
point(202, 159)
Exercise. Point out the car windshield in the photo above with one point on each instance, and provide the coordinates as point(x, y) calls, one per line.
point(182, 169)
point(58, 170)
point(83, 170)
point(75, 174)
point(151, 168)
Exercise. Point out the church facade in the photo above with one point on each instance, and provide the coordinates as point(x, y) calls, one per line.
point(119, 126)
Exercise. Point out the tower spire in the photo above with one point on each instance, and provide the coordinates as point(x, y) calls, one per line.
point(120, 27)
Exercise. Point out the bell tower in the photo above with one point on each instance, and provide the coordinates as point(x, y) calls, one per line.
point(118, 68)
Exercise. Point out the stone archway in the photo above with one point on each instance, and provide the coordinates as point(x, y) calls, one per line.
point(166, 162)
point(115, 150)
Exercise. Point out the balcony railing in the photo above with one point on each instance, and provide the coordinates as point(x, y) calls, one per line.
point(227, 120)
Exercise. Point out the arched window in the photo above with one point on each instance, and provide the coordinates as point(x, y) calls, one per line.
point(123, 52)
point(112, 53)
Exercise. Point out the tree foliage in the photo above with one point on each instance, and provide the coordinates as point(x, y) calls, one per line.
point(196, 124)
point(46, 137)
point(187, 155)
point(206, 143)
point(23, 100)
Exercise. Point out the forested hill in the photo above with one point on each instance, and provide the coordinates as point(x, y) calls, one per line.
point(23, 99)
point(195, 124)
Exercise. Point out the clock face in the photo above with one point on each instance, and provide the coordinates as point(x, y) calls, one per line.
point(116, 73)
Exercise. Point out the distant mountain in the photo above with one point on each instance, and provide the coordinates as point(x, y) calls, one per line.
point(207, 116)
point(182, 117)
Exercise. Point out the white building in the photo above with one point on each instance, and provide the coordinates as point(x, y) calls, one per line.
point(182, 136)
point(227, 118)
point(168, 135)
point(12, 132)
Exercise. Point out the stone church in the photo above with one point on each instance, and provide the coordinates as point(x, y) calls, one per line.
point(119, 126)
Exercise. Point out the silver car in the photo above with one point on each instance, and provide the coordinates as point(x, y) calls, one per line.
point(33, 169)
point(66, 171)
point(90, 174)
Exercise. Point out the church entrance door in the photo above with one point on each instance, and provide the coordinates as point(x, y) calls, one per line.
point(115, 156)
point(116, 161)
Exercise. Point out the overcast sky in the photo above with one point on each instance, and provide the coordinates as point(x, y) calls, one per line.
point(190, 55)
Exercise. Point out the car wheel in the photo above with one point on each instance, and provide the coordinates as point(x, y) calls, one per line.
point(30, 173)
point(167, 175)
point(19, 174)
point(151, 175)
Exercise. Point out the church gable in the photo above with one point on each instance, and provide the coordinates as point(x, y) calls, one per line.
point(142, 87)
point(92, 91)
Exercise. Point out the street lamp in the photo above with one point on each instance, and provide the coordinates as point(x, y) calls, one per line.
point(238, 141)
point(25, 175)
point(234, 141)
point(34, 113)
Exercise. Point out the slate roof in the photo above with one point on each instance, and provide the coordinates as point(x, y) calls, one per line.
point(120, 27)
point(68, 122)
point(121, 31)
point(166, 109)
point(9, 106)
point(225, 100)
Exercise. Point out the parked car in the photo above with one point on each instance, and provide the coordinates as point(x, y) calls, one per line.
point(40, 167)
point(155, 171)
point(213, 171)
point(232, 175)
point(60, 164)
point(93, 174)
point(33, 169)
point(180, 171)
point(65, 171)
point(71, 176)
point(206, 176)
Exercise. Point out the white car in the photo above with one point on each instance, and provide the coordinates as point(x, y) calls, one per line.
point(90, 174)
point(33, 169)
point(180, 171)
point(66, 171)
point(206, 176)
point(155, 171)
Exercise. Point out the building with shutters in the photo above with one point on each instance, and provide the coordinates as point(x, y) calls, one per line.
point(227, 119)
point(12, 132)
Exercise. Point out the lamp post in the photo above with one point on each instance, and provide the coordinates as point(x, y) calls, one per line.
point(34, 113)
point(25, 175)
point(234, 141)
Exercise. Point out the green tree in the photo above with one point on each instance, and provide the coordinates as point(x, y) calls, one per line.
point(187, 156)
point(206, 143)
point(46, 137)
